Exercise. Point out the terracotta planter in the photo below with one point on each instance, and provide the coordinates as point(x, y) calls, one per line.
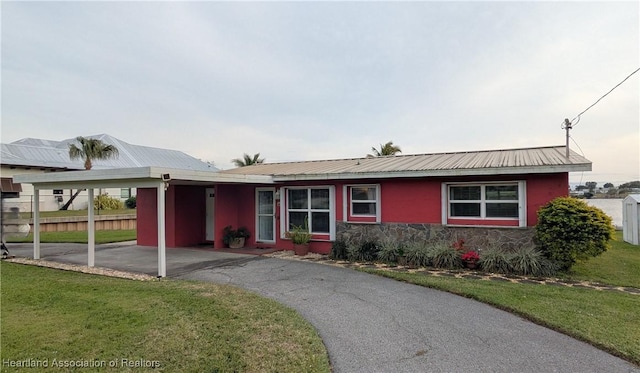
point(471, 264)
point(301, 249)
point(236, 243)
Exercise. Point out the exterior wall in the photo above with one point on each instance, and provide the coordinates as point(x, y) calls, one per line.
point(184, 216)
point(147, 217)
point(410, 209)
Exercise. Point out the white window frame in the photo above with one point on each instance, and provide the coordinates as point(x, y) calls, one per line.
point(521, 201)
point(348, 202)
point(258, 214)
point(284, 209)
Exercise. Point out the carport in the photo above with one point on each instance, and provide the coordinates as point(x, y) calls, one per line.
point(160, 179)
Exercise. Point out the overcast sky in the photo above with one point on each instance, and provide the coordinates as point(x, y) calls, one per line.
point(325, 80)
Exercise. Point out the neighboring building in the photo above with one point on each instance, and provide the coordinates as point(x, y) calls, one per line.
point(485, 197)
point(35, 156)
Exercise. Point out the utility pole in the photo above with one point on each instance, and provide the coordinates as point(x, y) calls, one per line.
point(567, 127)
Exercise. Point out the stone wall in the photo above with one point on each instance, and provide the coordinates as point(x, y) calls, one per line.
point(474, 237)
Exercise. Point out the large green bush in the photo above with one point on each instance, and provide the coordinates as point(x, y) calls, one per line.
point(105, 202)
point(569, 230)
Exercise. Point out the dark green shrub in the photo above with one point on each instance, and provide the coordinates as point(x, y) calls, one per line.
point(364, 252)
point(417, 254)
point(568, 230)
point(495, 259)
point(130, 202)
point(390, 250)
point(445, 256)
point(339, 250)
point(530, 262)
point(105, 202)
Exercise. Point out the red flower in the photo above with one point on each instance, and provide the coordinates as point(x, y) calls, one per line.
point(470, 256)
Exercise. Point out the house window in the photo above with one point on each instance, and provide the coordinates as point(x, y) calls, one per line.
point(364, 200)
point(485, 201)
point(125, 193)
point(310, 207)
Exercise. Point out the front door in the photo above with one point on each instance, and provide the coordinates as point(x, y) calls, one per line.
point(266, 215)
point(209, 220)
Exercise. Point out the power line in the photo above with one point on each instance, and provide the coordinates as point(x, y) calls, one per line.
point(605, 95)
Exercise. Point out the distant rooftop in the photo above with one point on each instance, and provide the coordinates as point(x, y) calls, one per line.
point(51, 154)
point(503, 161)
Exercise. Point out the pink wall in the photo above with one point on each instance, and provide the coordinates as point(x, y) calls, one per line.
point(147, 218)
point(403, 201)
point(184, 216)
point(543, 188)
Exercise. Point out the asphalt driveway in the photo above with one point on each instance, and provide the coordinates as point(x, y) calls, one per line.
point(370, 323)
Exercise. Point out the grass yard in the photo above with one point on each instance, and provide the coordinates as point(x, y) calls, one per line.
point(183, 326)
point(79, 237)
point(62, 213)
point(607, 319)
point(619, 265)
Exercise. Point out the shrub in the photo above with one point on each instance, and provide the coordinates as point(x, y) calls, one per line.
point(105, 202)
point(339, 250)
point(568, 230)
point(494, 259)
point(445, 256)
point(390, 250)
point(418, 254)
point(130, 202)
point(364, 252)
point(530, 261)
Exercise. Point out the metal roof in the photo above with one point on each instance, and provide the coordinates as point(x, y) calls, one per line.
point(486, 162)
point(42, 153)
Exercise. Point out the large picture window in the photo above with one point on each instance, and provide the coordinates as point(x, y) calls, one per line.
point(310, 207)
point(484, 201)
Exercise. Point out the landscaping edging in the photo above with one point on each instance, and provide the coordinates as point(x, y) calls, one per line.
point(466, 274)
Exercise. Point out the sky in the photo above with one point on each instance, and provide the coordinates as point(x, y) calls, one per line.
point(327, 80)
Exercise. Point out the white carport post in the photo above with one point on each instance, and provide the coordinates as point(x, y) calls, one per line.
point(36, 223)
point(162, 259)
point(91, 229)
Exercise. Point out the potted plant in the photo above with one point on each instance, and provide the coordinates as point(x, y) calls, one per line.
point(235, 238)
point(470, 259)
point(300, 236)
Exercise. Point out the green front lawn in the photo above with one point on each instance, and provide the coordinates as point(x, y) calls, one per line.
point(180, 326)
point(618, 266)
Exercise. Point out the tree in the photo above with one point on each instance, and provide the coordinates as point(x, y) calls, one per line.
point(629, 185)
point(607, 185)
point(386, 149)
point(569, 230)
point(89, 150)
point(591, 185)
point(581, 187)
point(247, 160)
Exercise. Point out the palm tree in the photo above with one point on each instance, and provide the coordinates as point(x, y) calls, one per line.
point(386, 149)
point(89, 149)
point(247, 160)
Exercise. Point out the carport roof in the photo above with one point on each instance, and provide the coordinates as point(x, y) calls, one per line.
point(133, 177)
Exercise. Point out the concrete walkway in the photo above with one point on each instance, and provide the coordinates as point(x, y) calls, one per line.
point(370, 323)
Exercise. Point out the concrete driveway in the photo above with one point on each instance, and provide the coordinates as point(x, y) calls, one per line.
point(369, 323)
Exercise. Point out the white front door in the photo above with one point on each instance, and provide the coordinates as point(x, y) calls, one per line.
point(210, 220)
point(265, 215)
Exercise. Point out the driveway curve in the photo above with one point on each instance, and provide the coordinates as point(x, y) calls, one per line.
point(374, 324)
